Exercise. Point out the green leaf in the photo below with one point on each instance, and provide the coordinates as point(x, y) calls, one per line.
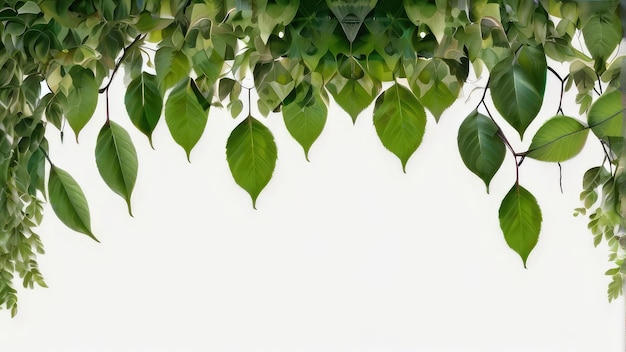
point(171, 66)
point(606, 115)
point(400, 121)
point(517, 87)
point(184, 116)
point(355, 90)
point(480, 147)
point(68, 201)
point(520, 220)
point(559, 139)
point(144, 103)
point(116, 159)
point(602, 33)
point(251, 153)
point(82, 98)
point(305, 118)
point(436, 88)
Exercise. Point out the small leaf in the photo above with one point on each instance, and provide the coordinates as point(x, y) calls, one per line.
point(144, 103)
point(354, 91)
point(520, 220)
point(184, 116)
point(559, 139)
point(116, 159)
point(82, 98)
point(305, 119)
point(480, 147)
point(68, 201)
point(400, 121)
point(251, 153)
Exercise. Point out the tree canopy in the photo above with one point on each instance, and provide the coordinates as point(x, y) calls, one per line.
point(183, 59)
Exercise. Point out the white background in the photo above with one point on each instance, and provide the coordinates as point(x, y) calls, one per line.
point(345, 253)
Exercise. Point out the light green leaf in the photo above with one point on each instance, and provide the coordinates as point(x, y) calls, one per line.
point(517, 87)
point(520, 220)
point(184, 116)
point(400, 121)
point(171, 66)
point(606, 115)
point(602, 33)
point(68, 201)
point(144, 103)
point(480, 147)
point(354, 91)
point(435, 86)
point(251, 153)
point(305, 118)
point(82, 98)
point(116, 159)
point(559, 139)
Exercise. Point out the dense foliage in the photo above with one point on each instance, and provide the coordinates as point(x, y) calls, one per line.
point(185, 58)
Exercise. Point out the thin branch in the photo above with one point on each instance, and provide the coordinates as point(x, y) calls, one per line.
point(119, 62)
point(560, 109)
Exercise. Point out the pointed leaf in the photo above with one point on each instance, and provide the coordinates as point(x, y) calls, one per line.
point(251, 153)
point(68, 201)
point(480, 147)
point(305, 119)
point(82, 98)
point(116, 159)
point(602, 33)
point(520, 220)
point(606, 115)
point(559, 139)
point(184, 116)
point(171, 66)
point(144, 103)
point(354, 91)
point(435, 86)
point(400, 121)
point(517, 87)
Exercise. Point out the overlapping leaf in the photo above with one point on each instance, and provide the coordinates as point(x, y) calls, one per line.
point(400, 121)
point(353, 90)
point(559, 139)
point(480, 147)
point(251, 153)
point(144, 103)
point(305, 118)
point(116, 159)
point(436, 88)
point(602, 33)
point(520, 220)
point(82, 98)
point(606, 115)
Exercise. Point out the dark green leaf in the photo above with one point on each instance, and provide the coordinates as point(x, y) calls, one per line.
point(480, 147)
point(144, 103)
point(400, 121)
point(82, 98)
point(116, 159)
point(251, 153)
point(68, 201)
point(520, 220)
point(559, 139)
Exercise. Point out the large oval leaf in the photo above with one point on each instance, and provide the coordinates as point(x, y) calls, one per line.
point(144, 103)
point(400, 121)
point(606, 115)
point(116, 159)
point(68, 201)
point(185, 117)
point(251, 153)
point(559, 139)
point(517, 86)
point(82, 98)
point(305, 119)
point(480, 147)
point(520, 220)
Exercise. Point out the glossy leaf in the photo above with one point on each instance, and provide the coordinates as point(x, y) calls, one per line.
point(517, 87)
point(68, 201)
point(251, 153)
point(400, 121)
point(144, 103)
point(520, 220)
point(480, 147)
point(305, 119)
point(82, 98)
point(606, 115)
point(559, 139)
point(116, 159)
point(185, 117)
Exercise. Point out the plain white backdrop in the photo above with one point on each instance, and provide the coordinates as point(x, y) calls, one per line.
point(345, 253)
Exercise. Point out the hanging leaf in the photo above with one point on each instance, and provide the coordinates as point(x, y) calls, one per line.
point(602, 33)
point(606, 115)
point(305, 118)
point(251, 153)
point(171, 66)
point(144, 103)
point(353, 90)
point(68, 201)
point(184, 116)
point(517, 86)
point(116, 159)
point(559, 139)
point(436, 88)
point(480, 147)
point(400, 121)
point(82, 98)
point(520, 220)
